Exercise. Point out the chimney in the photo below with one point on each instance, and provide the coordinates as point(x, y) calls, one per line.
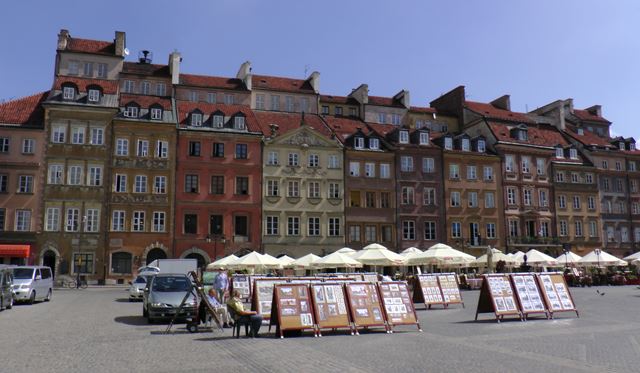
point(361, 94)
point(244, 74)
point(174, 66)
point(595, 110)
point(314, 80)
point(273, 129)
point(503, 102)
point(403, 97)
point(121, 43)
point(63, 38)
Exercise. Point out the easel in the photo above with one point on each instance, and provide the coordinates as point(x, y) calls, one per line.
point(198, 291)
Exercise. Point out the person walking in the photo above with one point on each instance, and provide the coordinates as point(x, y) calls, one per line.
point(221, 284)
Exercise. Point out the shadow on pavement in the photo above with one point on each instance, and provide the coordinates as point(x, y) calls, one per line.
point(131, 320)
point(229, 338)
point(126, 300)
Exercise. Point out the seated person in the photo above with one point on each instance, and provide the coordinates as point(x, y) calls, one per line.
point(255, 320)
point(221, 310)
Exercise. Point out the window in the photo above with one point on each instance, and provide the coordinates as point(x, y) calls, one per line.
point(131, 111)
point(54, 174)
point(381, 118)
point(314, 160)
point(102, 70)
point(95, 176)
point(522, 135)
point(513, 228)
point(57, 136)
point(193, 96)
point(313, 226)
point(293, 188)
point(97, 136)
point(385, 200)
point(3, 183)
point(573, 153)
point(161, 89)
point(385, 170)
point(190, 224)
point(559, 153)
point(526, 164)
point(334, 227)
point(456, 230)
point(241, 151)
point(272, 158)
point(354, 233)
point(88, 69)
point(162, 149)
point(218, 120)
point(73, 67)
point(588, 178)
point(191, 183)
point(304, 104)
point(562, 201)
point(74, 175)
point(578, 226)
point(325, 110)
point(334, 161)
point(370, 199)
point(489, 200)
point(159, 218)
point(430, 230)
point(77, 135)
point(591, 203)
point(28, 146)
point(527, 199)
point(334, 190)
point(472, 173)
point(140, 185)
point(605, 164)
point(229, 99)
point(482, 146)
point(271, 225)
point(216, 224)
point(404, 137)
point(624, 234)
point(473, 199)
point(395, 119)
point(4, 145)
point(593, 229)
point(218, 150)
point(631, 166)
point(117, 221)
point(618, 166)
point(633, 186)
point(68, 93)
point(370, 169)
point(314, 189)
point(275, 102)
point(575, 177)
point(358, 143)
point(635, 208)
point(408, 196)
point(560, 177)
point(288, 103)
point(409, 230)
point(293, 226)
point(83, 263)
point(260, 101)
point(429, 196)
point(156, 113)
point(465, 145)
point(121, 183)
point(3, 219)
point(387, 231)
point(354, 198)
point(374, 144)
point(428, 165)
point(217, 184)
point(576, 202)
point(605, 184)
point(196, 119)
point(424, 138)
point(294, 160)
point(354, 169)
point(160, 185)
point(454, 171)
point(273, 188)
point(540, 166)
point(487, 173)
point(448, 143)
point(142, 150)
point(23, 220)
point(242, 185)
point(92, 220)
point(73, 215)
point(122, 147)
point(52, 220)
point(93, 95)
point(509, 163)
point(370, 233)
point(511, 196)
point(406, 164)
point(239, 123)
point(543, 201)
point(491, 230)
point(455, 199)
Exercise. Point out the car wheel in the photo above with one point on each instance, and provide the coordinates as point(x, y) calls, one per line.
point(32, 298)
point(48, 298)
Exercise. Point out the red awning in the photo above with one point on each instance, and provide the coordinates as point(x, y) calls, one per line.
point(15, 251)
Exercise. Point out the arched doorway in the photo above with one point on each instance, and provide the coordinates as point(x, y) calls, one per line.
point(49, 260)
point(201, 261)
point(155, 253)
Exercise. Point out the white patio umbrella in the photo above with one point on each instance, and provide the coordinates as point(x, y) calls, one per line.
point(518, 256)
point(222, 262)
point(441, 254)
point(378, 255)
point(540, 259)
point(632, 257)
point(286, 261)
point(336, 260)
point(601, 258)
point(570, 258)
point(255, 259)
point(346, 250)
point(305, 261)
point(497, 256)
point(410, 253)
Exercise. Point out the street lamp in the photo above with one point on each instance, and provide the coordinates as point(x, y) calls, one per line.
point(215, 238)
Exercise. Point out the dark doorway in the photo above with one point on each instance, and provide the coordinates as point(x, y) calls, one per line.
point(49, 260)
point(198, 257)
point(154, 254)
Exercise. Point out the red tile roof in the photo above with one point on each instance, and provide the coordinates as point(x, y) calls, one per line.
point(492, 112)
point(290, 121)
point(145, 101)
point(24, 111)
point(383, 129)
point(345, 127)
point(383, 101)
point(275, 83)
point(109, 87)
point(186, 107)
point(588, 137)
point(147, 69)
point(586, 115)
point(419, 109)
point(345, 100)
point(91, 46)
point(540, 135)
point(211, 81)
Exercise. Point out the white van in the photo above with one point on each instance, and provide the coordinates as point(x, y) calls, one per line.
point(31, 283)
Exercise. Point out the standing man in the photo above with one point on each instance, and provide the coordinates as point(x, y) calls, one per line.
point(221, 284)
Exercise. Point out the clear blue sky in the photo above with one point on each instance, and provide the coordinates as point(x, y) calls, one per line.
point(536, 51)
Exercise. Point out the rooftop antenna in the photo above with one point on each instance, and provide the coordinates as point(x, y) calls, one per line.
point(306, 69)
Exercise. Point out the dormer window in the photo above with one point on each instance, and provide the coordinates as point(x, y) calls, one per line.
point(424, 138)
point(465, 145)
point(93, 95)
point(68, 93)
point(621, 145)
point(374, 144)
point(482, 146)
point(155, 113)
point(358, 143)
point(218, 120)
point(580, 131)
point(196, 119)
point(559, 153)
point(404, 137)
point(632, 146)
point(448, 143)
point(238, 123)
point(131, 111)
point(573, 153)
point(522, 135)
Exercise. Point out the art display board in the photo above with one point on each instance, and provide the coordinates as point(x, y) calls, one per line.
point(292, 308)
point(370, 277)
point(450, 288)
point(340, 280)
point(556, 293)
point(427, 290)
point(330, 306)
point(242, 283)
point(263, 294)
point(305, 280)
point(528, 294)
point(497, 297)
point(397, 303)
point(365, 305)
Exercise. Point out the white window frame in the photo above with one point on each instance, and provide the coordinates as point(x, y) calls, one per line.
point(77, 135)
point(159, 221)
point(52, 219)
point(118, 221)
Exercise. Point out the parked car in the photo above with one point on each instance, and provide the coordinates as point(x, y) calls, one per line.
point(31, 283)
point(6, 287)
point(163, 296)
point(136, 290)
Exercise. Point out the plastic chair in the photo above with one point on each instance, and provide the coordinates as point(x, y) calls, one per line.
point(237, 322)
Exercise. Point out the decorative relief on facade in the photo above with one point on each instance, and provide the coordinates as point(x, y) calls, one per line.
point(303, 138)
point(145, 198)
point(141, 163)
